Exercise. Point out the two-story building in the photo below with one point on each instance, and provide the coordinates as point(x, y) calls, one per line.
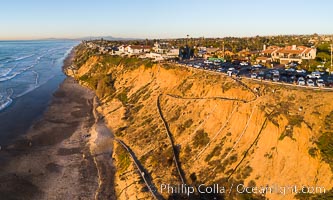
point(137, 49)
point(285, 55)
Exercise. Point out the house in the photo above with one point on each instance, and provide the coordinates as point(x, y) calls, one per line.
point(172, 53)
point(137, 49)
point(269, 51)
point(228, 53)
point(244, 53)
point(201, 51)
point(211, 50)
point(263, 60)
point(121, 48)
point(295, 54)
point(161, 47)
point(288, 54)
point(154, 56)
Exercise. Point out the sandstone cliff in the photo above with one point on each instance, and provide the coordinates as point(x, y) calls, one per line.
point(196, 127)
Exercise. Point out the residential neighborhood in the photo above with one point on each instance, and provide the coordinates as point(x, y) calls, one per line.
point(289, 63)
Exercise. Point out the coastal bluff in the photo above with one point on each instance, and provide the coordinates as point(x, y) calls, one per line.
point(190, 126)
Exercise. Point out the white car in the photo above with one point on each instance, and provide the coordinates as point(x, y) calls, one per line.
point(231, 71)
point(320, 83)
point(314, 75)
point(301, 81)
point(290, 70)
point(310, 83)
point(208, 62)
point(276, 77)
point(254, 75)
point(301, 71)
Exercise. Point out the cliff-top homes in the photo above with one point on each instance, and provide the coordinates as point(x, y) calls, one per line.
point(285, 55)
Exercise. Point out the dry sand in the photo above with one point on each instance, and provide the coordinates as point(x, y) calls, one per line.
point(56, 159)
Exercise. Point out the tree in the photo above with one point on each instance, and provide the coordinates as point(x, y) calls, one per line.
point(323, 57)
point(324, 48)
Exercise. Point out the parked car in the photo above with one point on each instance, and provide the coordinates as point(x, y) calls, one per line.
point(208, 62)
point(197, 65)
point(290, 70)
point(329, 81)
point(314, 75)
point(292, 79)
point(301, 71)
point(320, 83)
point(261, 75)
point(217, 62)
point(257, 66)
point(268, 76)
point(284, 79)
point(300, 81)
point(231, 71)
point(276, 75)
point(254, 75)
point(310, 83)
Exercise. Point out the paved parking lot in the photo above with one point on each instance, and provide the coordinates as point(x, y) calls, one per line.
point(289, 76)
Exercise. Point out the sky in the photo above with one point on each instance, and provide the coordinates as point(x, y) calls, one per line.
point(38, 19)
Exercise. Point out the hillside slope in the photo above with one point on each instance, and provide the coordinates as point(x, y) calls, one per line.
point(196, 127)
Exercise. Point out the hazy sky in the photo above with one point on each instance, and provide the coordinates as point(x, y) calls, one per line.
point(30, 19)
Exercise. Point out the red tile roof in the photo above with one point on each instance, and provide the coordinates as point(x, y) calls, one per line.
point(269, 51)
point(307, 50)
point(262, 58)
point(287, 50)
point(290, 51)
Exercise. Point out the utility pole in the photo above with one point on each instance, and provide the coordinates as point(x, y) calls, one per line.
point(223, 50)
point(187, 39)
point(331, 53)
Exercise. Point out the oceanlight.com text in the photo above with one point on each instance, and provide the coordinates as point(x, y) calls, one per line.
point(241, 189)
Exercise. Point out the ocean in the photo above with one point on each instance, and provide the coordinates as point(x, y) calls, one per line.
point(30, 72)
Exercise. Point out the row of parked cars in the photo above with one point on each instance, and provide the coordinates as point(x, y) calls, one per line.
point(310, 82)
point(300, 77)
point(291, 75)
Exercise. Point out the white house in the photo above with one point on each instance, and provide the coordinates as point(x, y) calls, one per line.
point(161, 47)
point(154, 56)
point(122, 48)
point(137, 49)
point(173, 53)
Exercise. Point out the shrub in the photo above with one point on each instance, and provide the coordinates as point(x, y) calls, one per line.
point(188, 123)
point(201, 138)
point(312, 151)
point(295, 120)
point(246, 172)
point(329, 121)
point(124, 160)
point(176, 116)
point(216, 151)
point(123, 97)
point(325, 145)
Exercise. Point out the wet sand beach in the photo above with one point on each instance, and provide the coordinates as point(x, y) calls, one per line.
point(54, 160)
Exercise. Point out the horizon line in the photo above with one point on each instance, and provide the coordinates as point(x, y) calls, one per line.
point(165, 38)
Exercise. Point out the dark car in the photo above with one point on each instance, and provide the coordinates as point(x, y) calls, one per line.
point(268, 76)
point(261, 75)
point(329, 81)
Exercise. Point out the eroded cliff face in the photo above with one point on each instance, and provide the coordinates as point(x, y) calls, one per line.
point(221, 130)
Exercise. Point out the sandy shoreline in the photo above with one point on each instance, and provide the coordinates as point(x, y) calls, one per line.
point(57, 158)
